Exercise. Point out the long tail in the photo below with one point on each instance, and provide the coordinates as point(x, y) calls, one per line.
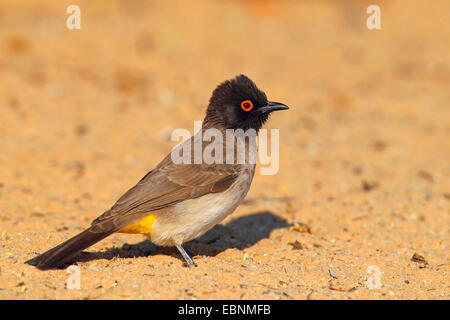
point(63, 253)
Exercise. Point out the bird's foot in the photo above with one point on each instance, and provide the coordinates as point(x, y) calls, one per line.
point(187, 258)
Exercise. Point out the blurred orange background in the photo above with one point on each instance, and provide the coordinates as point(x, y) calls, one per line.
point(85, 113)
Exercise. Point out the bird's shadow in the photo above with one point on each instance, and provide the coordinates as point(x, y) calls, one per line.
point(239, 233)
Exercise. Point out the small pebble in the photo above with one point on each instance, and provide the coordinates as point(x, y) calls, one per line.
point(333, 274)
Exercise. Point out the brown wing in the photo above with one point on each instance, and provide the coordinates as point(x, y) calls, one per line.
point(166, 185)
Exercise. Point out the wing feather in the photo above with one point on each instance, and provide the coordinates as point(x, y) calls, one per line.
point(167, 184)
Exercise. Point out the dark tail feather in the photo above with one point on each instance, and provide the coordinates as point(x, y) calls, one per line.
point(63, 253)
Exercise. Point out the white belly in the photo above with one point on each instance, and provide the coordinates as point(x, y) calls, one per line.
point(192, 218)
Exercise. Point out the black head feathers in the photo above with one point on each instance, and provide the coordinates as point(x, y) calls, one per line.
point(238, 103)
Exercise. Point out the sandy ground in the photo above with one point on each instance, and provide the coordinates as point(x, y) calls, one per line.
point(364, 177)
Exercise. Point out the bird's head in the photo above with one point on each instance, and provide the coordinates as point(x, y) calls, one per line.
point(238, 103)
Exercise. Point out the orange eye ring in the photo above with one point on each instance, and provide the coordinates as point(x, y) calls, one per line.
point(247, 105)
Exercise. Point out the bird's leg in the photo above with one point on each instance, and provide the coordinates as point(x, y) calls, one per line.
point(186, 257)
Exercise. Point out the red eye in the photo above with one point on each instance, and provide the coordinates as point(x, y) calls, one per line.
point(247, 105)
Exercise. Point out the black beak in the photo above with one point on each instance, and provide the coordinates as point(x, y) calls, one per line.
point(272, 106)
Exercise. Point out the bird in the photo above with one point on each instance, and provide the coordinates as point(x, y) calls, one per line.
point(177, 202)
